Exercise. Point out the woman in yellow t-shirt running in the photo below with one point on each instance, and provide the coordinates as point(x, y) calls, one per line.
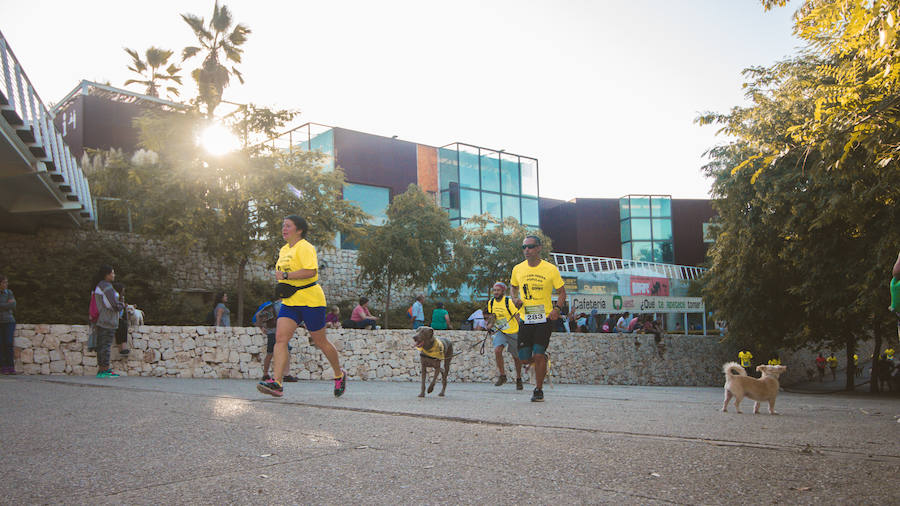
point(302, 301)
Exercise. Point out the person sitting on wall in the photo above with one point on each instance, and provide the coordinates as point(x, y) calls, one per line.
point(333, 318)
point(440, 318)
point(622, 323)
point(633, 325)
point(362, 318)
point(609, 325)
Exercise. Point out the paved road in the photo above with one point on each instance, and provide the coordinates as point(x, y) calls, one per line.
point(139, 440)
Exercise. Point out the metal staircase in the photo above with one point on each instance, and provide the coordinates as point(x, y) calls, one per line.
point(40, 180)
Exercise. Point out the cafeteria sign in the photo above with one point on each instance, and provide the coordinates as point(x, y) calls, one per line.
point(621, 303)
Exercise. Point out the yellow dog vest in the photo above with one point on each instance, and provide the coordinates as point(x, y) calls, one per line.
point(436, 350)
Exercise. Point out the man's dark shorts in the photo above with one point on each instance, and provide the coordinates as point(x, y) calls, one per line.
point(534, 339)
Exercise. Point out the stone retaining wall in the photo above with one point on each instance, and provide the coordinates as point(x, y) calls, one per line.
point(387, 355)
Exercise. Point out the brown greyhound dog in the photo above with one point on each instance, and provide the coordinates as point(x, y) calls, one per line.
point(433, 350)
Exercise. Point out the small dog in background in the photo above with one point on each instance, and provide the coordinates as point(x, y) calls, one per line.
point(432, 351)
point(135, 316)
point(739, 385)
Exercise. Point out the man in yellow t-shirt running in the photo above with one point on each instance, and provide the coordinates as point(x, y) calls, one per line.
point(501, 318)
point(533, 282)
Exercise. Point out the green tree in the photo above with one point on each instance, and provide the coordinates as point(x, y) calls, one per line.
point(232, 205)
point(409, 249)
point(804, 243)
point(489, 250)
point(153, 71)
point(218, 44)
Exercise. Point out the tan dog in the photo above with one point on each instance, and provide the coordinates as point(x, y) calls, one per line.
point(739, 385)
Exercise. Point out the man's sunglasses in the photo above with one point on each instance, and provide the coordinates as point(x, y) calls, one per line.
point(530, 246)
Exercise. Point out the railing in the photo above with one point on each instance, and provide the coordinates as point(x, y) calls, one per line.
point(582, 263)
point(24, 110)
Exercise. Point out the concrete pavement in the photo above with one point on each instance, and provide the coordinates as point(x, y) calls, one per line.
point(137, 440)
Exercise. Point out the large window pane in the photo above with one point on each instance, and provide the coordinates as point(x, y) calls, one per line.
point(509, 174)
point(371, 199)
point(624, 209)
point(626, 250)
point(469, 203)
point(529, 176)
point(640, 206)
point(322, 139)
point(640, 229)
point(662, 229)
point(661, 207)
point(511, 207)
point(468, 167)
point(448, 205)
point(490, 171)
point(490, 203)
point(642, 251)
point(626, 230)
point(662, 252)
point(530, 212)
point(448, 167)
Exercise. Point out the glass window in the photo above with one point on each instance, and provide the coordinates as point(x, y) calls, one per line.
point(490, 171)
point(322, 139)
point(624, 209)
point(642, 251)
point(640, 206)
point(626, 250)
point(511, 207)
point(626, 230)
point(529, 176)
point(469, 203)
point(530, 212)
point(661, 207)
point(448, 166)
point(468, 167)
point(640, 229)
point(509, 174)
point(662, 252)
point(373, 200)
point(448, 205)
point(662, 229)
point(454, 223)
point(490, 203)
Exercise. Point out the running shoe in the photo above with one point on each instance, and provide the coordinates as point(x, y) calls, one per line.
point(111, 374)
point(519, 385)
point(290, 379)
point(266, 377)
point(537, 396)
point(103, 374)
point(501, 380)
point(340, 384)
point(270, 387)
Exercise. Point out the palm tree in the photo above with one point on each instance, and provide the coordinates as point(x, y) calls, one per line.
point(212, 76)
point(151, 70)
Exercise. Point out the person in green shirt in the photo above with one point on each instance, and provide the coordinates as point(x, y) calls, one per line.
point(440, 318)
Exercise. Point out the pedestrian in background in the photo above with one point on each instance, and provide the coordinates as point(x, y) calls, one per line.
point(122, 329)
point(440, 318)
point(7, 327)
point(418, 312)
point(108, 306)
point(220, 311)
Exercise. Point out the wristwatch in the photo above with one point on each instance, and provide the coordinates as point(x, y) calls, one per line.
point(284, 275)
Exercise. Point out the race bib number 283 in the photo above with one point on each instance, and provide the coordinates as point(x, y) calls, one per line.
point(534, 314)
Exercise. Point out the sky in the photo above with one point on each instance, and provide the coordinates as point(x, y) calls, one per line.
point(603, 93)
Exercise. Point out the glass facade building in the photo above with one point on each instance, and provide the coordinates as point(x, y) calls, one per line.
point(309, 137)
point(646, 228)
point(474, 180)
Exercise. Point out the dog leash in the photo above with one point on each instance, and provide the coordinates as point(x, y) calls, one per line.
point(482, 342)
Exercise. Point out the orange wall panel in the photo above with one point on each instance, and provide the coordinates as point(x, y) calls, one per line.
point(427, 161)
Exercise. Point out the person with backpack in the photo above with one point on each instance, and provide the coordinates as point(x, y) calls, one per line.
point(501, 319)
point(417, 312)
point(266, 317)
point(107, 305)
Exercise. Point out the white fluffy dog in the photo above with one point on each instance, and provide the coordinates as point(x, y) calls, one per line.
point(739, 385)
point(135, 316)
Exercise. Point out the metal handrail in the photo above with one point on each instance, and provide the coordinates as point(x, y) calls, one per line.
point(27, 104)
point(567, 262)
